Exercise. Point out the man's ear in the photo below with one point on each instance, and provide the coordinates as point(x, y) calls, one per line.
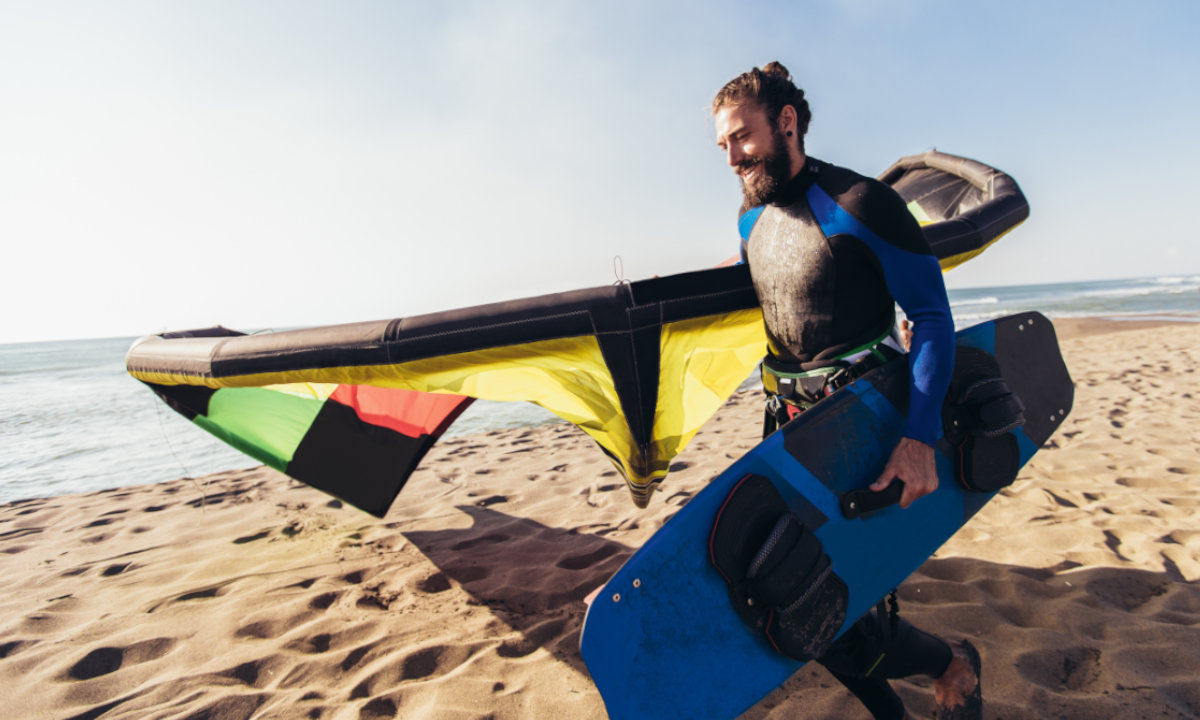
point(787, 119)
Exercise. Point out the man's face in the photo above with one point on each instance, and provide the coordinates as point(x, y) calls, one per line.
point(755, 150)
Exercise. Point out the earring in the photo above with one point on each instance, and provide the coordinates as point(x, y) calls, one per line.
point(789, 133)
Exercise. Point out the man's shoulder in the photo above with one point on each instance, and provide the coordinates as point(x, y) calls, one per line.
point(854, 190)
point(874, 204)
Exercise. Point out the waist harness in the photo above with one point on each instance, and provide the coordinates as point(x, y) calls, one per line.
point(792, 388)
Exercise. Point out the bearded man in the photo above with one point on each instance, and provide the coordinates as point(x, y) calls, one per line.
point(829, 307)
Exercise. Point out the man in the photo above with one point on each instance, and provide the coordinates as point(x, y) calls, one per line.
point(828, 304)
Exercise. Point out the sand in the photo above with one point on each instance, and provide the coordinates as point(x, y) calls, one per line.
point(245, 594)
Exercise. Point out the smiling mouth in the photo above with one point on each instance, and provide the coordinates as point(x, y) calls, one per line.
point(745, 171)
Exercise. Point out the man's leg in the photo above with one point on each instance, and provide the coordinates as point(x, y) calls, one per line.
point(879, 647)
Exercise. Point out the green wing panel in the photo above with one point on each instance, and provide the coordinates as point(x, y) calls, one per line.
point(266, 424)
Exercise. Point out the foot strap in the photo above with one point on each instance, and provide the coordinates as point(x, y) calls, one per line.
point(979, 415)
point(780, 580)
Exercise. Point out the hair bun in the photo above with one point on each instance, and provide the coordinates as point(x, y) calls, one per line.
point(776, 69)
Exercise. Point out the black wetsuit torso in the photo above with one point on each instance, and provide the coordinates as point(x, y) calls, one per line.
point(827, 257)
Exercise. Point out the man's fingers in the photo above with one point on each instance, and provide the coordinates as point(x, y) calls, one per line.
point(884, 480)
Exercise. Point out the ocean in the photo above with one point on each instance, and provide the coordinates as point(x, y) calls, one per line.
point(73, 421)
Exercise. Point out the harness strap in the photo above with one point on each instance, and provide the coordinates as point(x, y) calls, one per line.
point(789, 385)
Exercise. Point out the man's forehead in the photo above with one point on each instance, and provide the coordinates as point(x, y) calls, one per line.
point(731, 118)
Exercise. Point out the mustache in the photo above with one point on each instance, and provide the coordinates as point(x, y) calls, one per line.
point(748, 163)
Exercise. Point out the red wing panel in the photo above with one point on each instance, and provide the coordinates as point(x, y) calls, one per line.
point(407, 412)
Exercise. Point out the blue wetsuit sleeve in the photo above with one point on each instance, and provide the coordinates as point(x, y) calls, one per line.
point(916, 283)
point(914, 279)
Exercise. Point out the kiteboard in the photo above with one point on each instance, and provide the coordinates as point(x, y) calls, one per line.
point(662, 639)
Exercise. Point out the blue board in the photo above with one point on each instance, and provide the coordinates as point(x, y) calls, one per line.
point(662, 640)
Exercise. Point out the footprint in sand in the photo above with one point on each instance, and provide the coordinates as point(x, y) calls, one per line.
point(379, 709)
point(263, 629)
point(490, 538)
point(204, 594)
point(100, 661)
point(312, 645)
point(251, 538)
point(116, 569)
point(435, 583)
point(359, 576)
point(105, 660)
point(356, 656)
point(423, 663)
point(1127, 590)
point(256, 673)
point(324, 600)
point(1075, 668)
point(579, 562)
point(532, 639)
point(682, 496)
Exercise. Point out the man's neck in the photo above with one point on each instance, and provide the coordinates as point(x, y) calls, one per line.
point(798, 159)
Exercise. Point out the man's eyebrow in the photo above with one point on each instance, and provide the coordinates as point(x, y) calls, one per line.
point(731, 135)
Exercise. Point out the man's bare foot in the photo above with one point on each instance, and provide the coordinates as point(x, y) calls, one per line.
point(956, 692)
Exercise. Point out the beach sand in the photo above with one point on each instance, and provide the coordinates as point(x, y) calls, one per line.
point(245, 594)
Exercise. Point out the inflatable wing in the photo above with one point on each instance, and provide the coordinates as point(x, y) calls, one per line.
point(352, 409)
point(637, 366)
point(963, 205)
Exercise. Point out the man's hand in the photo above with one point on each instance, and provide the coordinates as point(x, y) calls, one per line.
point(912, 462)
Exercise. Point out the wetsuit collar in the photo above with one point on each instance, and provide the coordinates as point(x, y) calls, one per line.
point(800, 183)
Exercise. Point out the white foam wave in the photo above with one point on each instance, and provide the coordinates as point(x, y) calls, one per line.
point(1138, 292)
point(989, 300)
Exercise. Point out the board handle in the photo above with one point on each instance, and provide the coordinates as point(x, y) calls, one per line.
point(859, 502)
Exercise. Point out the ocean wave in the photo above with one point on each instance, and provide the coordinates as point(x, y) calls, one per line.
point(989, 300)
point(1135, 316)
point(1138, 292)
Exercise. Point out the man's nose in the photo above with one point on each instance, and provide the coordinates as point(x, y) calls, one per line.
point(734, 155)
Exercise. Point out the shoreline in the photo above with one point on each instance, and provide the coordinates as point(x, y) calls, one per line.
point(246, 594)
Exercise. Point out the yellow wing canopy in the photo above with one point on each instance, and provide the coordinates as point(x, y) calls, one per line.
point(639, 367)
point(352, 409)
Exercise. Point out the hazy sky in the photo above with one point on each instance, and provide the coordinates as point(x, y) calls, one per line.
point(166, 165)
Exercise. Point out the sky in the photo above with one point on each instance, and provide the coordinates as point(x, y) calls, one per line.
point(173, 165)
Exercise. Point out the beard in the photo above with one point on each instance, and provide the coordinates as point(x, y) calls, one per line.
point(775, 167)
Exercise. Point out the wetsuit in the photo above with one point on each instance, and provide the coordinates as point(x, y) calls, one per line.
point(829, 258)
